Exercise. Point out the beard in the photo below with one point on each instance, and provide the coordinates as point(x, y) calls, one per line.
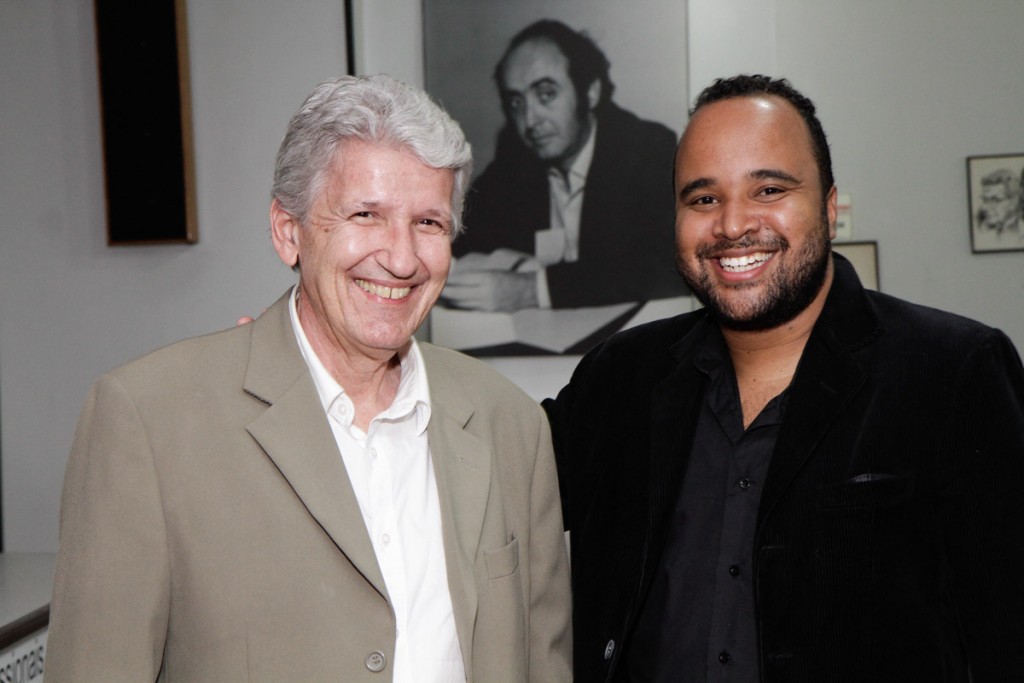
point(789, 291)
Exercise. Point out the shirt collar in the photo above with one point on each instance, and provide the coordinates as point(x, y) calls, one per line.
point(412, 397)
point(577, 176)
point(723, 394)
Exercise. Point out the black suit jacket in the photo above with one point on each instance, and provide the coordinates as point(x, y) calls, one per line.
point(627, 238)
point(890, 536)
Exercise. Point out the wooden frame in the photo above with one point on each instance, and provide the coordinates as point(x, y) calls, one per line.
point(350, 37)
point(995, 189)
point(145, 99)
point(864, 257)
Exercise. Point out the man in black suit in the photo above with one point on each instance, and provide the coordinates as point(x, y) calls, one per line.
point(577, 199)
point(805, 481)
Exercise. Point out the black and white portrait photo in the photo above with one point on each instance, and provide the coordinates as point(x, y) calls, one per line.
point(997, 202)
point(569, 218)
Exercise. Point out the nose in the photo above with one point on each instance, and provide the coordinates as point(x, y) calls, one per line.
point(531, 112)
point(399, 256)
point(736, 220)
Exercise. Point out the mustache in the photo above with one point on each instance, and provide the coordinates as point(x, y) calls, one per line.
point(724, 246)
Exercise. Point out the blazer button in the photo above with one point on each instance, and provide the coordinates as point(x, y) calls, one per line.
point(609, 650)
point(376, 661)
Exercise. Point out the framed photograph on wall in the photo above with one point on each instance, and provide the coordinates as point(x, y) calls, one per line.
point(864, 257)
point(573, 109)
point(995, 186)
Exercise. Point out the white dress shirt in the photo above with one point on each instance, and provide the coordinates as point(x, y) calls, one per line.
point(392, 474)
point(561, 241)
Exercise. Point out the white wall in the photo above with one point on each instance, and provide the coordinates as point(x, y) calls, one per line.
point(71, 307)
point(906, 90)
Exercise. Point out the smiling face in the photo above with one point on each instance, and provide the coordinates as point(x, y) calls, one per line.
point(374, 253)
point(540, 101)
point(752, 228)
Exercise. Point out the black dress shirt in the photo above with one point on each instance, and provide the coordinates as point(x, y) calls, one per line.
point(699, 623)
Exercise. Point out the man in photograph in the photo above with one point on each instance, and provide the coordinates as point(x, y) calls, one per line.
point(575, 210)
point(316, 496)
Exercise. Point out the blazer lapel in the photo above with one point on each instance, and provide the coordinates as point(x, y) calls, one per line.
point(824, 385)
point(827, 378)
point(294, 433)
point(462, 469)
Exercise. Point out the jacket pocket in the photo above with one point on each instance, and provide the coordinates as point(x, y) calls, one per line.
point(503, 561)
point(871, 489)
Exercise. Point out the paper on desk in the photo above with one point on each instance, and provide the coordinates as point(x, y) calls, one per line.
point(549, 329)
point(657, 309)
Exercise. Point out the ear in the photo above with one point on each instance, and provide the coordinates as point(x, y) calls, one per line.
point(593, 94)
point(285, 233)
point(832, 211)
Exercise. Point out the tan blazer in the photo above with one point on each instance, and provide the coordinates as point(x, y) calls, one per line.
point(209, 531)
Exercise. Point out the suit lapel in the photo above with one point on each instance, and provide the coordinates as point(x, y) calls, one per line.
point(462, 468)
point(295, 434)
point(824, 384)
point(827, 377)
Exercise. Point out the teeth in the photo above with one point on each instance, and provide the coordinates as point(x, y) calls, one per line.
point(384, 292)
point(738, 264)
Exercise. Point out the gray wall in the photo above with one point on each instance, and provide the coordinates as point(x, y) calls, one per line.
point(906, 89)
point(71, 307)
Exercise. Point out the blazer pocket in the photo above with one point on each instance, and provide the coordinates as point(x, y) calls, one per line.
point(503, 561)
point(868, 490)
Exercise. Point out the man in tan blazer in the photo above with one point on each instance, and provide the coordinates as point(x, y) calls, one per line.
point(316, 496)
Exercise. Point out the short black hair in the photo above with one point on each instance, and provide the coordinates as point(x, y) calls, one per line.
point(756, 84)
point(587, 62)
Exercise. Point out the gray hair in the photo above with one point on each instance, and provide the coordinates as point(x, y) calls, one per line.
point(377, 109)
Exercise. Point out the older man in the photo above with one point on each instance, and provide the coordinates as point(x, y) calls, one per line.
point(316, 496)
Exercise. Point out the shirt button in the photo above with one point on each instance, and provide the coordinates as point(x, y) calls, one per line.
point(373, 452)
point(376, 661)
point(609, 650)
point(385, 539)
point(724, 657)
point(734, 571)
point(744, 483)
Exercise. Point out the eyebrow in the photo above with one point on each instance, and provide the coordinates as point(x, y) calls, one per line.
point(532, 85)
point(372, 204)
point(694, 185)
point(759, 174)
point(773, 174)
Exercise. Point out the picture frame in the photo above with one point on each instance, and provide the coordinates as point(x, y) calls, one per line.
point(352, 37)
point(515, 232)
point(864, 257)
point(995, 190)
point(146, 116)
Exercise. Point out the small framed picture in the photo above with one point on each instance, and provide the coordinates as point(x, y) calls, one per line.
point(864, 257)
point(995, 186)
